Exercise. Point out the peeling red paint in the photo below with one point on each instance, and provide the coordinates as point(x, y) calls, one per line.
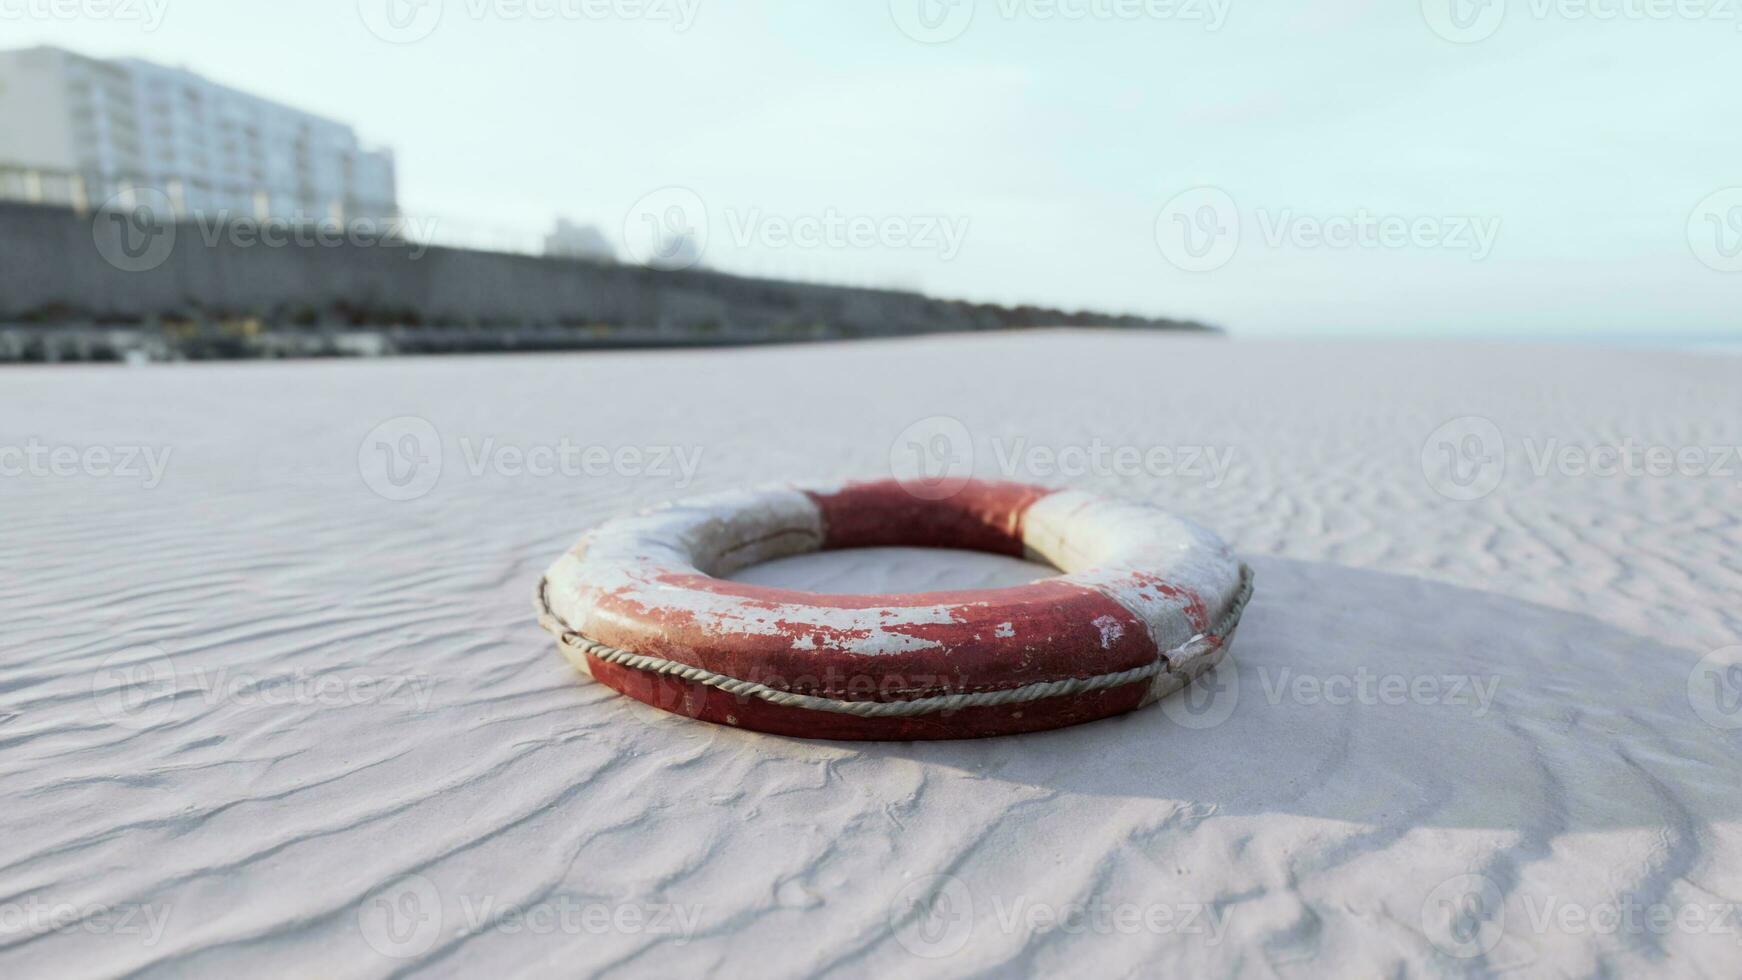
point(1053, 633)
point(641, 586)
point(1189, 600)
point(982, 516)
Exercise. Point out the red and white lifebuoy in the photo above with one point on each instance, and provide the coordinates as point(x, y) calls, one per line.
point(1147, 602)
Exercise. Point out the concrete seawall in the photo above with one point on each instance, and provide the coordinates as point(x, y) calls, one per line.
point(60, 266)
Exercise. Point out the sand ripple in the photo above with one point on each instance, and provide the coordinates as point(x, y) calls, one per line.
point(259, 719)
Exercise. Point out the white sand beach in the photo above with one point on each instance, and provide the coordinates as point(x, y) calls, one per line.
point(259, 717)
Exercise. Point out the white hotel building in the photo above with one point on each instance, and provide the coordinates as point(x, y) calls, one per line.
point(77, 130)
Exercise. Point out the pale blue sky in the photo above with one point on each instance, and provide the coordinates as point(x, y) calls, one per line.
point(1585, 146)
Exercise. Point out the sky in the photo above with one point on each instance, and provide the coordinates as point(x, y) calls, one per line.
point(1488, 168)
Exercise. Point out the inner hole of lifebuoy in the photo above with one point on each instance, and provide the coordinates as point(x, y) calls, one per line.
point(877, 571)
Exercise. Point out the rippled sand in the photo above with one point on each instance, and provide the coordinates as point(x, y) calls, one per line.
point(256, 718)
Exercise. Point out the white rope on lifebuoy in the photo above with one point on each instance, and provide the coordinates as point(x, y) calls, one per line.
point(574, 641)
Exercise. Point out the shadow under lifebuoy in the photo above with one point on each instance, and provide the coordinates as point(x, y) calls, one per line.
point(1355, 695)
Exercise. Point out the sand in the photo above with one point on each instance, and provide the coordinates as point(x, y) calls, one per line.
point(258, 717)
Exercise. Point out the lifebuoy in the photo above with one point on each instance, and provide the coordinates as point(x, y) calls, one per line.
point(1146, 602)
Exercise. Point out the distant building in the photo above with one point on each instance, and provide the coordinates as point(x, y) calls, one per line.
point(571, 241)
point(90, 128)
